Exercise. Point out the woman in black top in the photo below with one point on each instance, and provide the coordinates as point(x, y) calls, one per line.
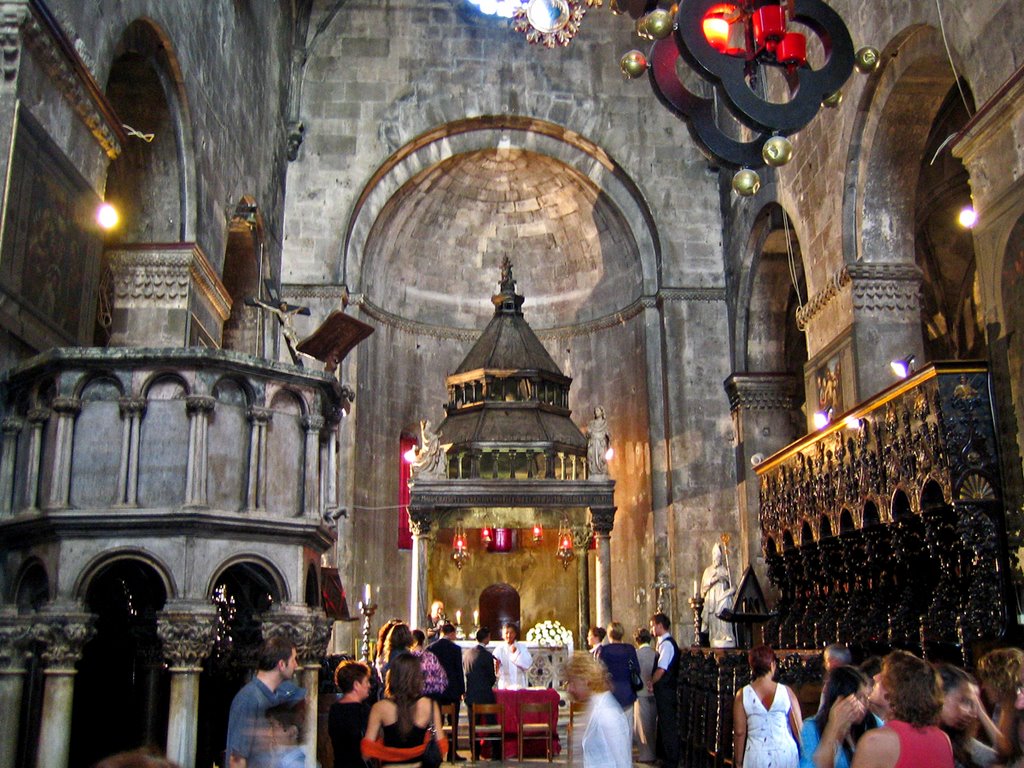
point(346, 721)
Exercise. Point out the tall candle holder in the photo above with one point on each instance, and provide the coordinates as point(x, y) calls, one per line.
point(697, 606)
point(366, 610)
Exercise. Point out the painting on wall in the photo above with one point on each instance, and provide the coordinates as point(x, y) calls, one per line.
point(51, 247)
point(828, 383)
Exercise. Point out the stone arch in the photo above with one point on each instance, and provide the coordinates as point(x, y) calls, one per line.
point(896, 111)
point(570, 149)
point(95, 566)
point(261, 571)
point(286, 455)
point(97, 442)
point(31, 586)
point(246, 267)
point(228, 441)
point(163, 443)
point(152, 183)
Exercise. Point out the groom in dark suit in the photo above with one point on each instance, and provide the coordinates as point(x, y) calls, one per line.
point(478, 663)
point(450, 656)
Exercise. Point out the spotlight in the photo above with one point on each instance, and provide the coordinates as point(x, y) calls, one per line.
point(968, 217)
point(903, 367)
point(106, 216)
point(609, 454)
point(409, 456)
point(822, 418)
point(852, 422)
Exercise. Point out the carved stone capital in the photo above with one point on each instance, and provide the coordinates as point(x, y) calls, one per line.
point(155, 277)
point(602, 519)
point(420, 521)
point(761, 391)
point(187, 637)
point(308, 629)
point(38, 416)
point(15, 635)
point(64, 636)
point(68, 405)
point(132, 406)
point(582, 535)
point(12, 425)
point(200, 403)
point(313, 422)
point(886, 289)
point(259, 415)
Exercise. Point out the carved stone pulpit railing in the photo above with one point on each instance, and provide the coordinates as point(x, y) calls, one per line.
point(887, 526)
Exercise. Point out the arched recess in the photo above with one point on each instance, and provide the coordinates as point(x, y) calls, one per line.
point(122, 664)
point(242, 590)
point(97, 445)
point(286, 455)
point(163, 451)
point(245, 269)
point(898, 108)
point(152, 183)
point(31, 586)
point(228, 440)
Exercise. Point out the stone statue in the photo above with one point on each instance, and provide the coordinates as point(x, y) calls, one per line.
point(718, 592)
point(284, 313)
point(597, 444)
point(430, 455)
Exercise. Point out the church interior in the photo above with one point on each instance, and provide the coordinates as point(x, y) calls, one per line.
point(313, 312)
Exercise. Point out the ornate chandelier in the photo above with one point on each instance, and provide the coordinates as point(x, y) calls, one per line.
point(551, 22)
point(565, 552)
point(460, 551)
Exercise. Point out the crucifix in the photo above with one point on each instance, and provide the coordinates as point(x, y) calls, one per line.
point(284, 313)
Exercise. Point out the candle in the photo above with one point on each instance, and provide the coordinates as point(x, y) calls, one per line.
point(476, 618)
point(695, 593)
point(458, 617)
point(366, 594)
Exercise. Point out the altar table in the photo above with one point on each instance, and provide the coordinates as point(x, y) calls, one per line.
point(511, 700)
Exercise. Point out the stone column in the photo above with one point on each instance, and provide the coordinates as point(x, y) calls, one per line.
point(310, 630)
point(582, 535)
point(762, 409)
point(312, 423)
point(419, 524)
point(132, 411)
point(199, 408)
point(37, 417)
point(64, 635)
point(11, 426)
point(67, 409)
point(14, 637)
point(187, 633)
point(602, 518)
point(661, 469)
point(256, 492)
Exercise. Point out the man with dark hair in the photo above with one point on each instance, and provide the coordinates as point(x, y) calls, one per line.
point(348, 716)
point(663, 685)
point(247, 745)
point(450, 656)
point(478, 664)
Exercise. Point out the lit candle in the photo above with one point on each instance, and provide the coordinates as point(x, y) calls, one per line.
point(476, 618)
point(458, 617)
point(366, 594)
point(695, 588)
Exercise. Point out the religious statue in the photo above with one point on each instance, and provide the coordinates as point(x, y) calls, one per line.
point(718, 592)
point(430, 455)
point(597, 444)
point(284, 313)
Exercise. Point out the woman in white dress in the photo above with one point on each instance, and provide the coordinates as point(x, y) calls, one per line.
point(766, 718)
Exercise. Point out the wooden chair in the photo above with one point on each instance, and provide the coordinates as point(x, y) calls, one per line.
point(574, 707)
point(531, 728)
point(486, 723)
point(450, 729)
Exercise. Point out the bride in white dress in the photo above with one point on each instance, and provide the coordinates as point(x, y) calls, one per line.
point(766, 718)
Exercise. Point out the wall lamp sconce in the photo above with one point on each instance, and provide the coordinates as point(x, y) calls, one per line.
point(823, 418)
point(903, 367)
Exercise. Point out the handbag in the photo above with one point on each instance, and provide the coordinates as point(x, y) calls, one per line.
point(432, 752)
point(635, 681)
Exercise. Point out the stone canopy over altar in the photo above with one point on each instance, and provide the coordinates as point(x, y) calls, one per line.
point(508, 457)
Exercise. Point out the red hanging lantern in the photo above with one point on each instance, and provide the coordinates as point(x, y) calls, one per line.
point(792, 50)
point(769, 22)
point(717, 26)
point(538, 533)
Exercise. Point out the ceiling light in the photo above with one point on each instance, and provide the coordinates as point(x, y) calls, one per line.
point(968, 217)
point(106, 216)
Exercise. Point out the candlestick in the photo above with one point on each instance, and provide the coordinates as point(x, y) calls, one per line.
point(366, 610)
point(458, 617)
point(476, 618)
point(697, 606)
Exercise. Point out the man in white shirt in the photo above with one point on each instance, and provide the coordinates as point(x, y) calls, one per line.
point(512, 659)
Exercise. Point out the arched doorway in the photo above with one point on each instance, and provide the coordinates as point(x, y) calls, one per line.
point(122, 666)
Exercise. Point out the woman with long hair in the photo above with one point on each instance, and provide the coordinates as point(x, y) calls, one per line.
point(961, 716)
point(399, 730)
point(766, 717)
point(829, 738)
point(910, 738)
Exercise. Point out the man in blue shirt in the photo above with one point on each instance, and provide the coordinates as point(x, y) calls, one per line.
point(247, 745)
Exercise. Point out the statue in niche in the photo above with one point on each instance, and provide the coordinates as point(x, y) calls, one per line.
point(430, 455)
point(598, 443)
point(718, 592)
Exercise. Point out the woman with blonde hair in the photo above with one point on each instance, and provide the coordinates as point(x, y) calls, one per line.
point(1001, 674)
point(606, 741)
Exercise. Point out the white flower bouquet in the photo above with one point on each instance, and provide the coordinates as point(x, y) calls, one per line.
point(549, 634)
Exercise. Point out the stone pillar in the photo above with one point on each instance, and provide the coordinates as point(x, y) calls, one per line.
point(310, 630)
point(67, 409)
point(37, 417)
point(602, 518)
point(762, 409)
point(14, 637)
point(256, 492)
point(581, 538)
point(419, 523)
point(886, 322)
point(312, 423)
point(661, 474)
point(187, 633)
point(199, 408)
point(64, 635)
point(11, 426)
point(132, 411)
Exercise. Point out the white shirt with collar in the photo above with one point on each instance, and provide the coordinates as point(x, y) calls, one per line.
point(514, 661)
